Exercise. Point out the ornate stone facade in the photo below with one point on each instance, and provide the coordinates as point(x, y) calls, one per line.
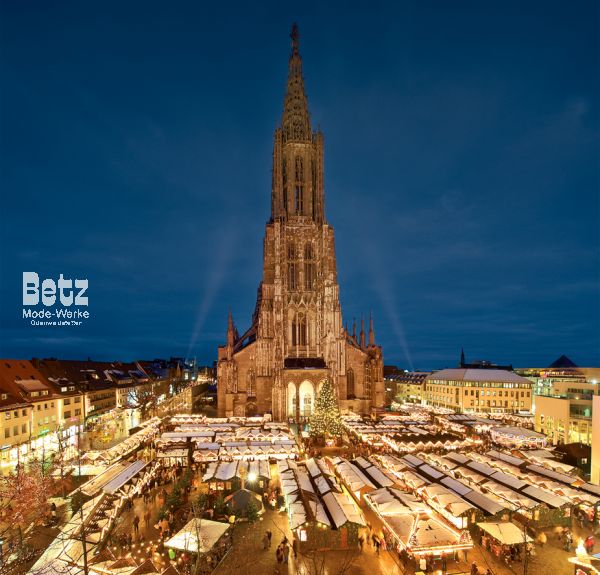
point(297, 339)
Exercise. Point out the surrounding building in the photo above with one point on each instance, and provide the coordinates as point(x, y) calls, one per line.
point(479, 390)
point(563, 394)
point(297, 339)
point(595, 472)
point(410, 386)
point(34, 409)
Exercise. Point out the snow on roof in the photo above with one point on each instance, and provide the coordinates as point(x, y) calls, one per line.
point(509, 480)
point(227, 470)
point(353, 476)
point(478, 375)
point(198, 536)
point(506, 533)
point(568, 479)
point(304, 480)
point(125, 476)
point(549, 499)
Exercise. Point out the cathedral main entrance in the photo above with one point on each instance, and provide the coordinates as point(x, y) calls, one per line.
point(301, 399)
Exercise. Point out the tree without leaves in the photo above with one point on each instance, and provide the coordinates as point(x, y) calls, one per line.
point(24, 495)
point(145, 398)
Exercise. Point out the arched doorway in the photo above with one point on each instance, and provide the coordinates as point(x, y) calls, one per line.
point(291, 400)
point(250, 409)
point(307, 398)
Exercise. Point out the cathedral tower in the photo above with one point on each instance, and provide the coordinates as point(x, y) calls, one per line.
point(296, 339)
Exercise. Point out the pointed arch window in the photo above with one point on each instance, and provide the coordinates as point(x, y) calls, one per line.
point(350, 383)
point(292, 267)
point(310, 268)
point(299, 169)
point(299, 331)
point(299, 199)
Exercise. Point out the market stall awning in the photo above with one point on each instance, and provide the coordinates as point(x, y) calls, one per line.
point(505, 532)
point(198, 536)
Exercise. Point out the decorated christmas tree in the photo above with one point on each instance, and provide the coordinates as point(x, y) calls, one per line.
point(326, 419)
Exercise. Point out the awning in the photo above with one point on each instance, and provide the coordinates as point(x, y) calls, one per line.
point(506, 533)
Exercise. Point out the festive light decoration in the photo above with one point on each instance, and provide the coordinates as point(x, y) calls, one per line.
point(326, 419)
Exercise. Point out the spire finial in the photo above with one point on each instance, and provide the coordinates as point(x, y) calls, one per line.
point(371, 330)
point(295, 36)
point(362, 331)
point(295, 121)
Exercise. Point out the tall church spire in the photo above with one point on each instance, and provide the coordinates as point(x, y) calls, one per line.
point(371, 330)
point(296, 118)
point(362, 332)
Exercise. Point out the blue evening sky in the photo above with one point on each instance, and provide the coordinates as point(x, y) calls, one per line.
point(462, 170)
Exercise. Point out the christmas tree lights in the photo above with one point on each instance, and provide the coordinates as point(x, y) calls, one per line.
point(326, 419)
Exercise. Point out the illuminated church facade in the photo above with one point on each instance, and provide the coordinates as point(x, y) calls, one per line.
point(297, 339)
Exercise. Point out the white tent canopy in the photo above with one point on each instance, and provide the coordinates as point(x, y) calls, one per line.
point(506, 533)
point(198, 536)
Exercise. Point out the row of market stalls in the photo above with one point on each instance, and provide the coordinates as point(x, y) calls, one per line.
point(428, 512)
point(404, 434)
point(413, 527)
point(505, 435)
point(210, 440)
point(321, 514)
point(231, 475)
point(87, 530)
point(412, 524)
point(125, 448)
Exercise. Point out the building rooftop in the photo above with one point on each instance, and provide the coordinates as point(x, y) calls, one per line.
point(483, 375)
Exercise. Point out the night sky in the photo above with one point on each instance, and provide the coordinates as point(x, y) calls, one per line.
point(462, 171)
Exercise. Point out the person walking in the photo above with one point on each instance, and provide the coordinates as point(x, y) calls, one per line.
point(279, 554)
point(136, 524)
point(265, 541)
point(286, 552)
point(295, 548)
point(147, 518)
point(269, 535)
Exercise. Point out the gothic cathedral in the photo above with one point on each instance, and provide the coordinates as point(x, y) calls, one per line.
point(297, 339)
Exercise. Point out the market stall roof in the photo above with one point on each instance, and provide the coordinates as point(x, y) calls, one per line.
point(342, 510)
point(485, 503)
point(125, 476)
point(517, 461)
point(455, 485)
point(549, 499)
point(564, 478)
point(509, 480)
point(505, 533)
point(352, 476)
point(94, 485)
point(198, 536)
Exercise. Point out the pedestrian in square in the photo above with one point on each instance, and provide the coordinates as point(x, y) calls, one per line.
point(136, 524)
